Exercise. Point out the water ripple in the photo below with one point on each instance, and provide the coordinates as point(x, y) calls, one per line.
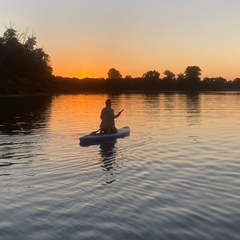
point(175, 177)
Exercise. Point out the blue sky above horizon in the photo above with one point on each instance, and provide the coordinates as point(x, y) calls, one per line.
point(88, 37)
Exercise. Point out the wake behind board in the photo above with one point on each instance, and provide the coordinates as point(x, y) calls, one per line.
point(100, 137)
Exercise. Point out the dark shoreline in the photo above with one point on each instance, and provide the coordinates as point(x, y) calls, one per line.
point(117, 93)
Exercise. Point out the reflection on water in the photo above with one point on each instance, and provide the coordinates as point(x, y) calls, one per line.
point(22, 119)
point(169, 101)
point(23, 115)
point(175, 177)
point(193, 108)
point(108, 154)
point(151, 100)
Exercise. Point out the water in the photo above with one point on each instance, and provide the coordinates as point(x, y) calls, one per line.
point(175, 177)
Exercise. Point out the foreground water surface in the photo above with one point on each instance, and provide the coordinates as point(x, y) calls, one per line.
point(177, 176)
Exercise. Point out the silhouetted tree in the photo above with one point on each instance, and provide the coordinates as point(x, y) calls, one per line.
point(154, 75)
point(128, 77)
point(22, 62)
point(169, 75)
point(235, 84)
point(169, 81)
point(151, 80)
point(193, 73)
point(218, 83)
point(180, 81)
point(192, 77)
point(181, 77)
point(114, 74)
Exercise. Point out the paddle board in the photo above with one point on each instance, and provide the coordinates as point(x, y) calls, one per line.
point(99, 137)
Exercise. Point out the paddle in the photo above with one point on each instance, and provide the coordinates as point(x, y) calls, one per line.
point(95, 132)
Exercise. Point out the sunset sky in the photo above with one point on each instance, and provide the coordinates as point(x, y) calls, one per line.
point(85, 38)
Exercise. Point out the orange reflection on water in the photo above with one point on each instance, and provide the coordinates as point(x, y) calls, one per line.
point(69, 111)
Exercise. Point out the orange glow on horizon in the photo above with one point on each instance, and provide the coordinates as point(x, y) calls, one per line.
point(98, 68)
point(82, 73)
point(87, 38)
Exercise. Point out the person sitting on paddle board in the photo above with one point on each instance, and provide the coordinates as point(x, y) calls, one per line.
point(107, 115)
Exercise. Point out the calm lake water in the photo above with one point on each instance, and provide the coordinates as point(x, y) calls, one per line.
point(177, 176)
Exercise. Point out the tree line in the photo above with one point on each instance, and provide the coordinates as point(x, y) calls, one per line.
point(25, 68)
point(150, 81)
point(190, 80)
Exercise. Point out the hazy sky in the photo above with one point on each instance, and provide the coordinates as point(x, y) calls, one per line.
point(85, 38)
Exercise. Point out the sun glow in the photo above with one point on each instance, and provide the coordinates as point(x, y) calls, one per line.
point(87, 38)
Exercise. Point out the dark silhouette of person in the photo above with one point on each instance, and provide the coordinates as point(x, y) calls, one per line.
point(107, 116)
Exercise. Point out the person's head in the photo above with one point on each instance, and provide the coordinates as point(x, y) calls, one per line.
point(108, 102)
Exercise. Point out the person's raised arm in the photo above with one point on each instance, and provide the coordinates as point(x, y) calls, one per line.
point(117, 115)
